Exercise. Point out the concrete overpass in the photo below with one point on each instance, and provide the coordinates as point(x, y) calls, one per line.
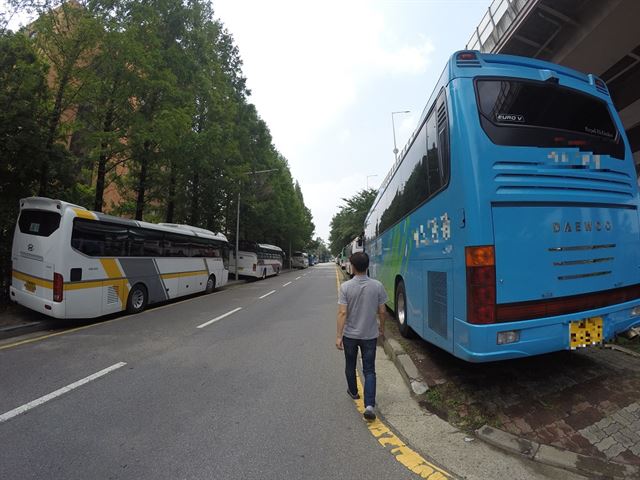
point(593, 36)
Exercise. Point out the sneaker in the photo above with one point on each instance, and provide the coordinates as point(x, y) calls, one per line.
point(355, 396)
point(369, 414)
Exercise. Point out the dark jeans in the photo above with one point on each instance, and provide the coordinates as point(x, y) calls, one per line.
point(368, 352)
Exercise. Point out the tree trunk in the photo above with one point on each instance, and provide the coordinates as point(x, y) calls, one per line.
point(195, 200)
point(172, 194)
point(54, 120)
point(102, 162)
point(142, 183)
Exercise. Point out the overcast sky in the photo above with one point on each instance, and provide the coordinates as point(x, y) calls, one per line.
point(325, 76)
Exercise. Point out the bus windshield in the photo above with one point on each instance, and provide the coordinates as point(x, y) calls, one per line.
point(534, 113)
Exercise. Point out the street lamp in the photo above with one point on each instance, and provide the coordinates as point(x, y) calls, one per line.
point(393, 126)
point(238, 213)
point(368, 176)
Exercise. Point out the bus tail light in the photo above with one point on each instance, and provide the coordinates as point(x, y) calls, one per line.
point(481, 284)
point(58, 286)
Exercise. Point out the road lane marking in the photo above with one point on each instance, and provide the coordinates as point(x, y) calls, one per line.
point(206, 324)
point(288, 283)
point(151, 309)
point(267, 294)
point(408, 457)
point(39, 401)
point(400, 450)
point(298, 278)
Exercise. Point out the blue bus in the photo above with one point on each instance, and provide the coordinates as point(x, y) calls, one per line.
point(508, 226)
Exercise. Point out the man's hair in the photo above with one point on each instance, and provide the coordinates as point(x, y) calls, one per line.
point(360, 261)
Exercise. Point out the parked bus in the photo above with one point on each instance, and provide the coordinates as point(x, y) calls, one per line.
point(69, 262)
point(258, 260)
point(508, 226)
point(299, 260)
point(356, 245)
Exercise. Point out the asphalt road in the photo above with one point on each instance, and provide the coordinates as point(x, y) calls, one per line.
point(258, 394)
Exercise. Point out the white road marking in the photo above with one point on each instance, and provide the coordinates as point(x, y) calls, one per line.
point(288, 283)
point(206, 324)
point(267, 294)
point(304, 274)
point(39, 401)
point(298, 278)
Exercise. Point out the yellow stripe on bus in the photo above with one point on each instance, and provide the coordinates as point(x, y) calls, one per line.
point(41, 282)
point(166, 276)
point(85, 214)
point(112, 270)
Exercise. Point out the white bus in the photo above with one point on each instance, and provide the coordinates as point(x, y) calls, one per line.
point(299, 260)
point(69, 262)
point(258, 260)
point(356, 245)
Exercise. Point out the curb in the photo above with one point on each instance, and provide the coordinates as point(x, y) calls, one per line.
point(17, 330)
point(556, 457)
point(405, 366)
point(541, 453)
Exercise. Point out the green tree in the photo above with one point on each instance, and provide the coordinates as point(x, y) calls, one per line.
point(348, 223)
point(24, 109)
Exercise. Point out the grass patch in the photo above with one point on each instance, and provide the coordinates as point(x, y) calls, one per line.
point(453, 404)
point(630, 343)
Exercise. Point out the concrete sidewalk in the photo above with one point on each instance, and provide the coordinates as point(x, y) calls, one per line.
point(444, 444)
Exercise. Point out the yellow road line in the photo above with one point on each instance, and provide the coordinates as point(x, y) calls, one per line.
point(390, 441)
point(43, 337)
point(97, 324)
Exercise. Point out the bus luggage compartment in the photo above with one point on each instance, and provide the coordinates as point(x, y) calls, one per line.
point(545, 252)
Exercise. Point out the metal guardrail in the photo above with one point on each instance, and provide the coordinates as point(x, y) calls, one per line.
point(500, 16)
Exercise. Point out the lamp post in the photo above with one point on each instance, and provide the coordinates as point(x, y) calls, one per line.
point(238, 212)
point(393, 126)
point(369, 176)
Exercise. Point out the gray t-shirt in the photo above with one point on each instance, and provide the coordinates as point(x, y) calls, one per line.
point(362, 296)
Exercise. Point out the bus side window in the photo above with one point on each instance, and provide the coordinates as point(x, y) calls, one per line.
point(98, 239)
point(145, 242)
point(176, 245)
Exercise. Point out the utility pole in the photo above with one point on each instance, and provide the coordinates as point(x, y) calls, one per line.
point(238, 214)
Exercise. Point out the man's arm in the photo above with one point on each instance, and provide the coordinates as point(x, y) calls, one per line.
point(382, 315)
point(342, 318)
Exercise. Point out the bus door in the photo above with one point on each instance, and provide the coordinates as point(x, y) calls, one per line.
point(437, 281)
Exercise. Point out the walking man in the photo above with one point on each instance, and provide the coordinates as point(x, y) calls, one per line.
point(360, 299)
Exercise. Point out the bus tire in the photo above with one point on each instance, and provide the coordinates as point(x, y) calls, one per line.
point(401, 311)
point(211, 284)
point(138, 298)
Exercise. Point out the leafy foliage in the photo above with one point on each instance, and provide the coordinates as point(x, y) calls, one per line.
point(139, 109)
point(348, 223)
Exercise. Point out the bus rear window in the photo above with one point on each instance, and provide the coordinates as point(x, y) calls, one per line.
point(545, 114)
point(38, 222)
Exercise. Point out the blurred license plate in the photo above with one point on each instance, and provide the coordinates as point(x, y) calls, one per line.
point(583, 333)
point(30, 286)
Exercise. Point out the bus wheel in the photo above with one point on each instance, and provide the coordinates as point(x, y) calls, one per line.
point(401, 311)
point(211, 284)
point(137, 299)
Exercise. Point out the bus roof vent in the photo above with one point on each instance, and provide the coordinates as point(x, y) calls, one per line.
point(467, 59)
